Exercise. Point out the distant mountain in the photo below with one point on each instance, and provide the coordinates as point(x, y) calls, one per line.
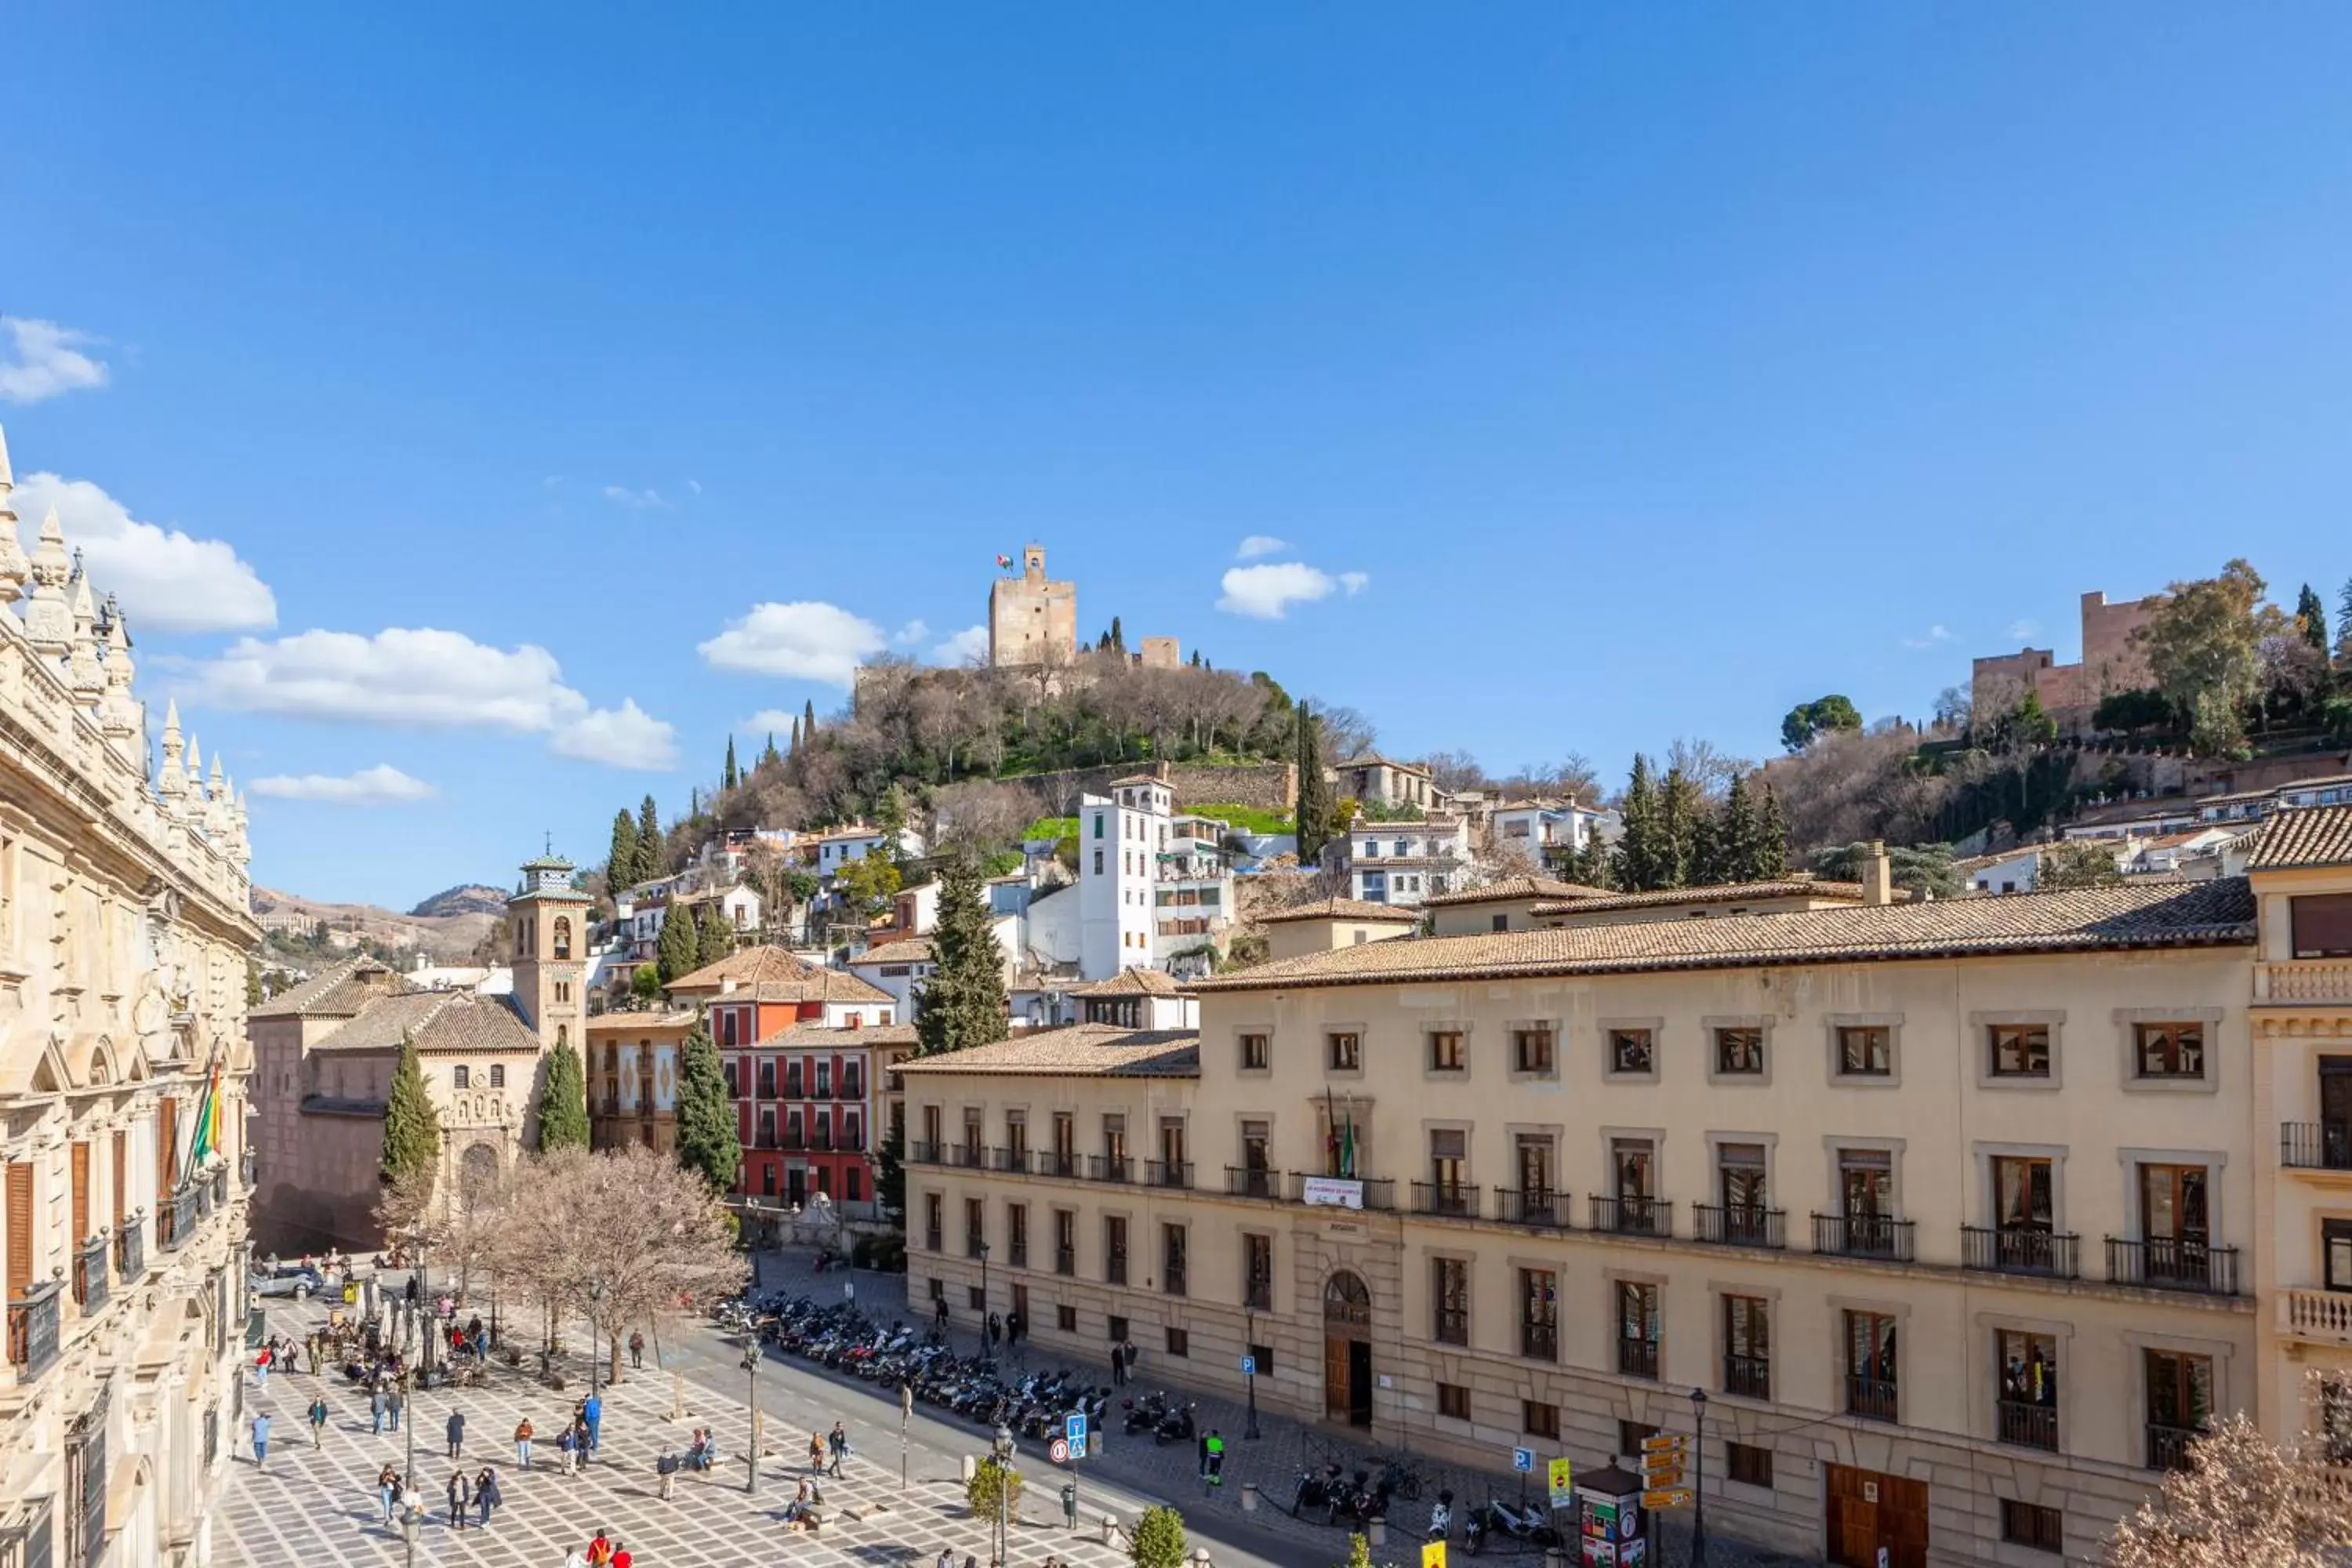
point(466, 898)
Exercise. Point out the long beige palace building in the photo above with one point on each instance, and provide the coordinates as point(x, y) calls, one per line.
point(124, 923)
point(1965, 1216)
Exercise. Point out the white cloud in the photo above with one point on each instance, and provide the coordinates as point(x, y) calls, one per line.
point(694, 485)
point(1266, 591)
point(1934, 635)
point(913, 632)
point(382, 784)
point(970, 643)
point(635, 501)
point(167, 580)
point(808, 639)
point(2022, 630)
point(46, 360)
point(1258, 545)
point(424, 679)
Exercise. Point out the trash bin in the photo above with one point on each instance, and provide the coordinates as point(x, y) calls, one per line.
point(970, 1467)
point(1376, 1531)
point(1249, 1497)
point(1070, 1506)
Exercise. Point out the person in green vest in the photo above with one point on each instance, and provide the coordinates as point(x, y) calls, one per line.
point(1213, 1462)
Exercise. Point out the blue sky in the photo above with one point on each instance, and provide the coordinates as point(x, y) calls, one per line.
point(1656, 367)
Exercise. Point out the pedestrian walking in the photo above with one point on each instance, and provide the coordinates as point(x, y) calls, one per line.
point(456, 1434)
point(1127, 1349)
point(816, 1454)
point(411, 1292)
point(522, 1443)
point(261, 1440)
point(995, 1330)
point(461, 1494)
point(621, 1555)
point(575, 1558)
point(940, 1317)
point(387, 1492)
point(1213, 1462)
point(667, 1468)
point(486, 1494)
point(261, 1369)
point(580, 1444)
point(375, 1412)
point(837, 1442)
point(946, 1558)
point(600, 1550)
point(591, 1410)
point(395, 1403)
point(318, 1418)
point(568, 1446)
point(1201, 1456)
point(636, 1349)
point(1118, 1367)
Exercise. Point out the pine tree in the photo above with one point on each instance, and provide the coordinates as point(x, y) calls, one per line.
point(714, 939)
point(651, 859)
point(620, 864)
point(1738, 837)
point(1682, 818)
point(1312, 805)
point(2311, 619)
point(563, 1104)
point(963, 1002)
point(707, 1142)
point(679, 947)
point(730, 777)
point(412, 1127)
point(1771, 856)
point(1642, 858)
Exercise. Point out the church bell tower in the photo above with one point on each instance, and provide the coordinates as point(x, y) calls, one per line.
point(549, 919)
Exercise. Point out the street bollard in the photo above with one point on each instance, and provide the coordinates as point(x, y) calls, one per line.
point(970, 1467)
point(1110, 1530)
point(1249, 1497)
point(1376, 1532)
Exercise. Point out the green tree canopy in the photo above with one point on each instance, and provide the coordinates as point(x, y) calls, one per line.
point(728, 776)
point(1645, 859)
point(563, 1104)
point(1807, 720)
point(1159, 1538)
point(869, 883)
point(706, 1140)
point(2076, 863)
point(2204, 647)
point(963, 1002)
point(1311, 805)
point(2311, 619)
point(652, 857)
point(714, 939)
point(678, 949)
point(621, 862)
point(645, 984)
point(411, 1126)
point(1918, 868)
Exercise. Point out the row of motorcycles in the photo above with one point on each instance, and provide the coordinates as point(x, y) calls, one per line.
point(1355, 1501)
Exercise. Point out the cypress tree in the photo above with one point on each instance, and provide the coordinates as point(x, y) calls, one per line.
point(679, 947)
point(795, 747)
point(1118, 639)
point(651, 859)
point(412, 1127)
point(707, 1142)
point(1642, 857)
point(2311, 616)
point(730, 775)
point(621, 865)
point(1772, 858)
point(1681, 815)
point(563, 1104)
point(963, 1002)
point(768, 759)
point(716, 939)
point(1312, 804)
point(808, 722)
point(1738, 837)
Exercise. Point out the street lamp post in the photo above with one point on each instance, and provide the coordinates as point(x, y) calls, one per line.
point(986, 1349)
point(1002, 1450)
point(1249, 1349)
point(425, 1298)
point(1698, 1461)
point(752, 1458)
point(595, 1300)
point(408, 1475)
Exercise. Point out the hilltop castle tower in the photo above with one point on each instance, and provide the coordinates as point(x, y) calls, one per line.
point(1030, 619)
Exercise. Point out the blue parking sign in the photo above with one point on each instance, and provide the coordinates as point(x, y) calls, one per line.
point(1249, 1366)
point(1523, 1459)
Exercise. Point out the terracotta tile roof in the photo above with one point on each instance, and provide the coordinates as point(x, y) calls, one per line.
point(2302, 835)
point(339, 991)
point(1510, 888)
point(1078, 1050)
point(1375, 759)
point(747, 966)
point(624, 1023)
point(435, 1021)
point(1722, 894)
point(1342, 910)
point(906, 950)
point(2212, 913)
point(822, 985)
point(810, 1037)
point(1132, 983)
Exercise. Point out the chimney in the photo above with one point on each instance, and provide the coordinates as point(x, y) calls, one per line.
point(1877, 874)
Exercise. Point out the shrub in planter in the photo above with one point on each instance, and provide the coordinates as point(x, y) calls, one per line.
point(1159, 1539)
point(987, 1480)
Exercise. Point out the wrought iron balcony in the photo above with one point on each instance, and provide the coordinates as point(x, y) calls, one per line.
point(1378, 1192)
point(2026, 1424)
point(2171, 1263)
point(931, 1238)
point(1865, 1236)
point(2315, 1145)
point(1167, 1172)
point(1016, 1253)
point(1749, 1376)
point(1637, 1357)
point(2016, 1250)
point(89, 1274)
point(1539, 1341)
point(967, 1156)
point(33, 1329)
point(130, 1252)
point(1872, 1398)
point(926, 1154)
point(2167, 1446)
point(1110, 1168)
point(175, 1220)
point(1066, 1260)
point(974, 1246)
point(1537, 1206)
point(1741, 1225)
point(1252, 1181)
point(1057, 1163)
point(1013, 1160)
point(1631, 1216)
point(1115, 1268)
point(1451, 1200)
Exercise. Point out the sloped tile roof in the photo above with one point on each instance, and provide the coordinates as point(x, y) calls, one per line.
point(821, 1037)
point(1342, 910)
point(2302, 835)
point(340, 992)
point(1132, 983)
point(1509, 888)
point(1078, 1050)
point(1721, 893)
point(747, 966)
point(2217, 913)
point(906, 950)
point(435, 1021)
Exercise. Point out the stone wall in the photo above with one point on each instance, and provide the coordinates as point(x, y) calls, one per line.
point(1263, 786)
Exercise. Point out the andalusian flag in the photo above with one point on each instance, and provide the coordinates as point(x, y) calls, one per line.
point(1003, 563)
point(205, 1140)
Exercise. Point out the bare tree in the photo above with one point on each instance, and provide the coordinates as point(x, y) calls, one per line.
point(1347, 732)
point(1455, 770)
point(2239, 1500)
point(978, 818)
point(1707, 766)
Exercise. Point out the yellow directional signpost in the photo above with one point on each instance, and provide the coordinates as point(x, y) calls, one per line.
point(1563, 1484)
point(1663, 1460)
point(1433, 1555)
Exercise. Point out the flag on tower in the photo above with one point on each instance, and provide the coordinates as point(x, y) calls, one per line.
point(1004, 562)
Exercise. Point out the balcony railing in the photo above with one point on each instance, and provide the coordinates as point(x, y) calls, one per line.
point(130, 1252)
point(1749, 1376)
point(1870, 1397)
point(974, 1245)
point(922, 1153)
point(2025, 1425)
point(967, 1156)
point(1017, 1252)
point(930, 1239)
point(1115, 1268)
point(1379, 1192)
point(1252, 1181)
point(1741, 1225)
point(33, 1329)
point(2013, 1249)
point(175, 1220)
point(2167, 1446)
point(2304, 980)
point(1865, 1236)
point(1257, 1295)
point(2315, 1145)
point(89, 1274)
point(1110, 1168)
point(1167, 1172)
point(1637, 1357)
point(1066, 1260)
point(1172, 1283)
point(1537, 1341)
point(1451, 1200)
point(2323, 1317)
point(2168, 1263)
point(1537, 1206)
point(201, 1190)
point(220, 1188)
point(1633, 1215)
point(1015, 1161)
point(1058, 1163)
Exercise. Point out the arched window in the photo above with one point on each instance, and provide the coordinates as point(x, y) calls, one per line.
point(562, 936)
point(562, 1034)
point(1347, 1302)
point(459, 1076)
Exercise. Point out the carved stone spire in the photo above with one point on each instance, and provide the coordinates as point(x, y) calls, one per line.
point(13, 563)
point(48, 619)
point(173, 785)
point(83, 672)
point(217, 806)
point(196, 772)
point(119, 711)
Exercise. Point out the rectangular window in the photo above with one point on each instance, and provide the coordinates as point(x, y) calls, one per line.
point(791, 1077)
point(2180, 1393)
point(1446, 1051)
point(1257, 1272)
point(2019, 1050)
point(2022, 1190)
point(1748, 1464)
point(931, 1221)
point(1066, 1318)
point(1740, 1053)
point(1449, 1161)
point(2169, 1050)
point(1531, 1050)
point(1118, 1329)
point(1870, 1387)
point(497, 1075)
point(1637, 1328)
point(1346, 1051)
point(767, 1081)
point(1747, 1346)
point(458, 1076)
point(1454, 1402)
point(1450, 1296)
point(976, 1298)
point(1066, 1241)
point(1016, 1234)
point(1633, 1050)
point(1180, 1343)
point(1540, 1314)
point(1631, 1435)
point(2322, 925)
point(2029, 1524)
point(1865, 1050)
point(1115, 1250)
point(1633, 1166)
point(2026, 1405)
point(975, 1226)
point(1538, 1419)
point(2335, 1253)
point(1257, 1053)
point(1174, 1257)
point(1264, 1356)
point(733, 1091)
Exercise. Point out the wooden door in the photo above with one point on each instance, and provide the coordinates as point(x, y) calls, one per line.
point(1338, 1398)
point(1360, 1382)
point(80, 1168)
point(20, 1228)
point(1868, 1512)
point(121, 1176)
point(167, 1146)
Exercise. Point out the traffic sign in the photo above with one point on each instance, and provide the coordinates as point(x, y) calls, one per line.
point(1077, 1448)
point(1563, 1483)
point(1058, 1450)
point(1672, 1497)
point(1432, 1555)
point(1664, 1445)
point(1074, 1428)
point(1249, 1366)
point(1523, 1459)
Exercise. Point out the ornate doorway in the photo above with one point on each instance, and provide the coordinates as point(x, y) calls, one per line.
point(1347, 1349)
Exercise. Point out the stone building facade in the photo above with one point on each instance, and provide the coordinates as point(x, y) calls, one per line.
point(124, 926)
point(1031, 618)
point(2112, 662)
point(1955, 1210)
